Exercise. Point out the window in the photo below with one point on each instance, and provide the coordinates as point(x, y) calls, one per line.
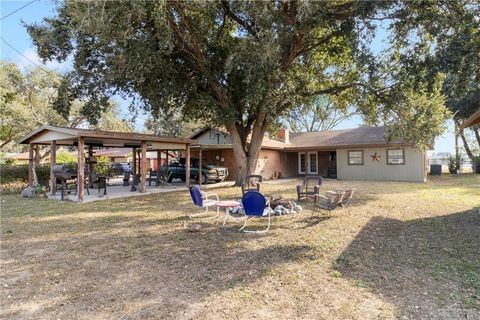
point(302, 162)
point(355, 157)
point(395, 156)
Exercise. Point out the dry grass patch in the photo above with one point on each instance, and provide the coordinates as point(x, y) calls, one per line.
point(400, 249)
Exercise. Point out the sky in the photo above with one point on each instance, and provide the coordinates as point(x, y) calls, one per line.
point(13, 32)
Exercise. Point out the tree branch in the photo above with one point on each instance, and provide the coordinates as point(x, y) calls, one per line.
point(250, 27)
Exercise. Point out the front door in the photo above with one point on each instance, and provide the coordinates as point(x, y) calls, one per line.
point(307, 163)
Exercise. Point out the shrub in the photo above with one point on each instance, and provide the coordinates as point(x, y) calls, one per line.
point(103, 167)
point(455, 163)
point(64, 156)
point(19, 173)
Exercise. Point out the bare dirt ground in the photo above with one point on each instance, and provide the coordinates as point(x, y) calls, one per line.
point(400, 250)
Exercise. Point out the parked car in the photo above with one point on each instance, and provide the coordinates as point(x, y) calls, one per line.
point(210, 172)
point(120, 168)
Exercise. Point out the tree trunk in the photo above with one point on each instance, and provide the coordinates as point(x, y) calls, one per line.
point(477, 135)
point(38, 157)
point(465, 143)
point(246, 154)
point(240, 154)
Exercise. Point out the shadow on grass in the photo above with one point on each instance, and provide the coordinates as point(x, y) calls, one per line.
point(425, 266)
point(135, 275)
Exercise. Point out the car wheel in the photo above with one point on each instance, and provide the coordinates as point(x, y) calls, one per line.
point(204, 179)
point(183, 179)
point(170, 179)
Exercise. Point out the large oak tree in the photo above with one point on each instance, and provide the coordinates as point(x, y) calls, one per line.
point(238, 64)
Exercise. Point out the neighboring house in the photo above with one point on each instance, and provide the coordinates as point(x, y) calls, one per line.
point(22, 158)
point(355, 154)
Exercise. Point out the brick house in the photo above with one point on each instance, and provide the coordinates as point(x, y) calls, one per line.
point(354, 154)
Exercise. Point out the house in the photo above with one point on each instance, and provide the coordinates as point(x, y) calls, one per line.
point(354, 154)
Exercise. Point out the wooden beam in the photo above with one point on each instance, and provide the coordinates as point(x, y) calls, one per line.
point(30, 164)
point(81, 169)
point(143, 168)
point(53, 162)
point(187, 167)
point(200, 167)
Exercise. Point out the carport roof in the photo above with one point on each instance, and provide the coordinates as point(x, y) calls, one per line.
point(69, 136)
point(471, 121)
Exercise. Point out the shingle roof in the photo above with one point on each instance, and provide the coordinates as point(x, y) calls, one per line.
point(99, 134)
point(338, 138)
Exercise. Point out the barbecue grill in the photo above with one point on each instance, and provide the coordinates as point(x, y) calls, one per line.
point(63, 173)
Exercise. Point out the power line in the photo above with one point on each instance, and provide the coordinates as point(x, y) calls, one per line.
point(14, 11)
point(34, 63)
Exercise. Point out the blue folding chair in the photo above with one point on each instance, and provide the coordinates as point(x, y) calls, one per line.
point(255, 205)
point(201, 199)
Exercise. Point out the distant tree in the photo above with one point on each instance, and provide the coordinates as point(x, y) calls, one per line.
point(319, 114)
point(27, 102)
point(238, 64)
point(432, 37)
point(173, 125)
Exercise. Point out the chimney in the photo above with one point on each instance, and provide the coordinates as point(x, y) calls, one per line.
point(284, 135)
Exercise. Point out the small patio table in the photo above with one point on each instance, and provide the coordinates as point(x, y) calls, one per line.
point(227, 205)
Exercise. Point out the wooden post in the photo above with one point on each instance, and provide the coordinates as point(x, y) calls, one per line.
point(134, 163)
point(200, 167)
point(53, 162)
point(90, 166)
point(139, 168)
point(81, 169)
point(30, 165)
point(187, 167)
point(143, 167)
point(166, 159)
point(159, 160)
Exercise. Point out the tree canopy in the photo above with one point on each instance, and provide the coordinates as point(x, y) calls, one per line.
point(243, 65)
point(27, 100)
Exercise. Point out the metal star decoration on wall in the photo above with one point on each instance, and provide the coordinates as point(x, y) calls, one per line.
point(376, 157)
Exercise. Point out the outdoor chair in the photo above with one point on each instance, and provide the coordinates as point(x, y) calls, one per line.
point(347, 197)
point(252, 183)
point(163, 178)
point(203, 200)
point(255, 205)
point(310, 187)
point(328, 202)
point(152, 177)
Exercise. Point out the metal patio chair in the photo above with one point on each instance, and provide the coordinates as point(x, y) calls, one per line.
point(202, 199)
point(329, 202)
point(310, 187)
point(255, 205)
point(252, 183)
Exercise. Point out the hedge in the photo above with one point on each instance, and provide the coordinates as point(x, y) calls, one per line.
point(19, 173)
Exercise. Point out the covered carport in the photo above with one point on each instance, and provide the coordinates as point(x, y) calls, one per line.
point(85, 139)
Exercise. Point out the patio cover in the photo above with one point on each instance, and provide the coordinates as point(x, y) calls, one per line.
point(53, 136)
point(471, 121)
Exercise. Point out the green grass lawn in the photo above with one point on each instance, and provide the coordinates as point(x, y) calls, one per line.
point(399, 250)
